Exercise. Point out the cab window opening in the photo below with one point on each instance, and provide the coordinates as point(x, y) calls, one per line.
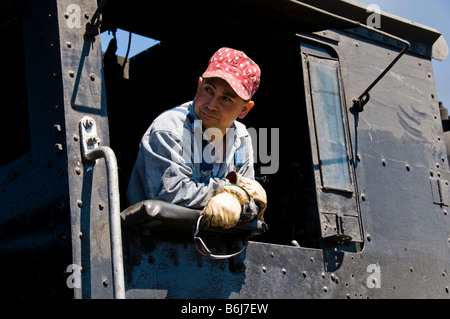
point(134, 101)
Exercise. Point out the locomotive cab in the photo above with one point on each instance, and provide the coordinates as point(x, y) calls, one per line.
point(347, 136)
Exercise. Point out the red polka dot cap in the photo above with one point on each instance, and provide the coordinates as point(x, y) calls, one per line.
point(237, 69)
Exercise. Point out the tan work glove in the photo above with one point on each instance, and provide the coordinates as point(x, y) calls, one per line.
point(254, 189)
point(224, 209)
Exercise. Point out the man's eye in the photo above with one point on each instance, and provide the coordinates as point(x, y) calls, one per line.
point(208, 89)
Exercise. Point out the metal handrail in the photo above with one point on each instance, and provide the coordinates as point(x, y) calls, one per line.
point(91, 151)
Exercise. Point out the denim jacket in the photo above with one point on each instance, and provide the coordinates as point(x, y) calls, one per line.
point(171, 164)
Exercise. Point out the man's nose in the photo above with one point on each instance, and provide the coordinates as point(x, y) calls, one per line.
point(214, 102)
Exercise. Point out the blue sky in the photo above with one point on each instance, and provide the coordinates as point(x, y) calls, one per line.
point(138, 43)
point(432, 13)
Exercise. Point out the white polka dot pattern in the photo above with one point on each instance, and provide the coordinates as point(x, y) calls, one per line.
point(237, 69)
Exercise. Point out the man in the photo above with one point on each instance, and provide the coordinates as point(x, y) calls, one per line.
point(188, 154)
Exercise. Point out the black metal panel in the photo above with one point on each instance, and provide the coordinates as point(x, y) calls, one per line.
point(84, 94)
point(34, 219)
point(399, 148)
point(161, 268)
point(174, 19)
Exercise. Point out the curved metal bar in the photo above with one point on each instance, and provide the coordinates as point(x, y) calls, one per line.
point(358, 103)
point(91, 151)
point(114, 215)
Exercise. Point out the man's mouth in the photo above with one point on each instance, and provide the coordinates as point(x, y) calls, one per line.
point(207, 115)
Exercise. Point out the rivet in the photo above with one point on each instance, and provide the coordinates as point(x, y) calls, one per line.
point(79, 203)
point(71, 73)
point(284, 271)
point(58, 148)
point(264, 269)
point(92, 76)
point(57, 129)
point(91, 141)
point(333, 277)
point(325, 288)
point(88, 122)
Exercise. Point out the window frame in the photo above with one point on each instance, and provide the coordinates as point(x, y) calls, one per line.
point(338, 209)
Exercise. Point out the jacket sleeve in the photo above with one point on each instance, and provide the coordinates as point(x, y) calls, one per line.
point(167, 174)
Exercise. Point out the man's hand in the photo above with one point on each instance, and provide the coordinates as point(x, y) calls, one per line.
point(224, 209)
point(254, 189)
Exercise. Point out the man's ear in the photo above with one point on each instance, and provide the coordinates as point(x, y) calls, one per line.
point(200, 80)
point(247, 107)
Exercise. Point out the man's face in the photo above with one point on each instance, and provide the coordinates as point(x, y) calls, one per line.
point(217, 105)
